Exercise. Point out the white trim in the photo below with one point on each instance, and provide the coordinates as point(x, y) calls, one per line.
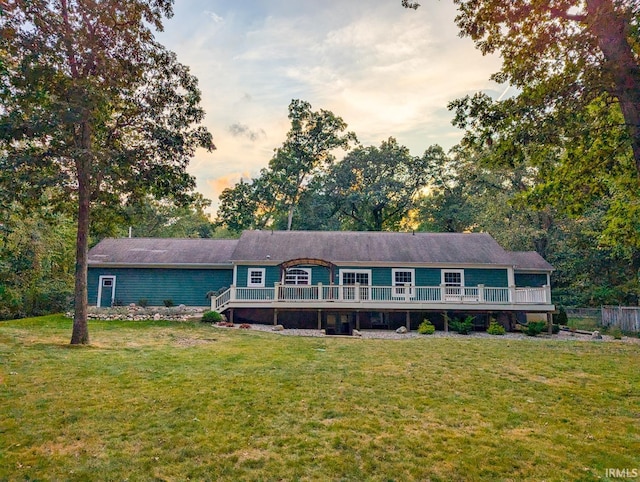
point(367, 271)
point(234, 280)
point(459, 271)
point(306, 270)
point(262, 272)
point(101, 280)
point(399, 288)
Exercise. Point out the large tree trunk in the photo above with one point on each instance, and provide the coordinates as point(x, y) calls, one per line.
point(80, 335)
point(611, 28)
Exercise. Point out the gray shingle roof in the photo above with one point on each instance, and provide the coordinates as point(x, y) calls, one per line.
point(529, 260)
point(333, 246)
point(358, 247)
point(162, 251)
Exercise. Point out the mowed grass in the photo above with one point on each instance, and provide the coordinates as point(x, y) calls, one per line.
point(169, 401)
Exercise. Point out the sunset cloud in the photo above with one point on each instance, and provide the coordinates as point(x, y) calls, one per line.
point(385, 70)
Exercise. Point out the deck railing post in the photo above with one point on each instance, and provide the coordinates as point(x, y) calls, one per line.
point(547, 294)
point(320, 293)
point(276, 289)
point(512, 294)
point(356, 295)
point(480, 293)
point(232, 293)
point(443, 292)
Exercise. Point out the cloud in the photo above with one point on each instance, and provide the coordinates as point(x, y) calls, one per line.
point(219, 184)
point(214, 16)
point(385, 70)
point(241, 130)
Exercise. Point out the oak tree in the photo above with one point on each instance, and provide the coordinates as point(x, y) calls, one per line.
point(93, 104)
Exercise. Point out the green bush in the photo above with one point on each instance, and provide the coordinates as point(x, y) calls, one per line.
point(555, 328)
point(168, 303)
point(495, 328)
point(616, 333)
point(426, 328)
point(463, 327)
point(534, 328)
point(560, 318)
point(211, 317)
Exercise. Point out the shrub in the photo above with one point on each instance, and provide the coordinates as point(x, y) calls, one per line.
point(245, 326)
point(495, 328)
point(168, 303)
point(616, 333)
point(211, 317)
point(426, 328)
point(555, 328)
point(143, 302)
point(534, 328)
point(560, 318)
point(463, 327)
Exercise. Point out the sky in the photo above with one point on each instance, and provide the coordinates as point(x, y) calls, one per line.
point(386, 70)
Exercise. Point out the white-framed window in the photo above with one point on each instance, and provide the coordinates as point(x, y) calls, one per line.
point(453, 280)
point(255, 277)
point(353, 276)
point(453, 277)
point(297, 276)
point(403, 280)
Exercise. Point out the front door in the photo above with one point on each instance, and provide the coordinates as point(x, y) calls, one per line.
point(106, 291)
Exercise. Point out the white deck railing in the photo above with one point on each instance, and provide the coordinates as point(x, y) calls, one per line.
point(320, 294)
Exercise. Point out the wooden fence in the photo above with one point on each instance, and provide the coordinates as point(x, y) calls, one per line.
point(627, 318)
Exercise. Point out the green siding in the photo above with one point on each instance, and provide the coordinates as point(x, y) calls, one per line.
point(494, 278)
point(428, 277)
point(183, 286)
point(531, 280)
point(271, 274)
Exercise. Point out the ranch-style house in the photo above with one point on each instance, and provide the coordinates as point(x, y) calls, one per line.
point(336, 281)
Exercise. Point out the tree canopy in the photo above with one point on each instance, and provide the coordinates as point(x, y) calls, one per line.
point(93, 105)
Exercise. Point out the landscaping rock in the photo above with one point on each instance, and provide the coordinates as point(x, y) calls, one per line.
point(156, 317)
point(402, 330)
point(278, 328)
point(596, 335)
point(356, 333)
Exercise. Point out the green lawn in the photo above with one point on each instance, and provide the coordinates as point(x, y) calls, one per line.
point(163, 401)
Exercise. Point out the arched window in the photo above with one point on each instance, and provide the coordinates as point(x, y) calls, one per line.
point(297, 276)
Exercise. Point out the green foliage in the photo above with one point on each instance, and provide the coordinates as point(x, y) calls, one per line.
point(462, 326)
point(616, 333)
point(143, 302)
point(150, 218)
point(36, 261)
point(560, 318)
point(495, 328)
point(168, 303)
point(374, 188)
point(95, 107)
point(426, 328)
point(211, 317)
point(534, 328)
point(274, 196)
